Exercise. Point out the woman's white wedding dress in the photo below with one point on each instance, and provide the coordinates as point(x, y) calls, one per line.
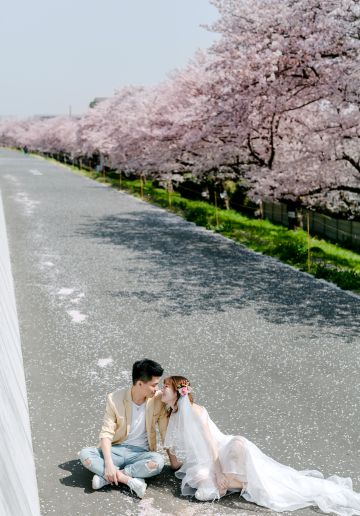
point(195, 439)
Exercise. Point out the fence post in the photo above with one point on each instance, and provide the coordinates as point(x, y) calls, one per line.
point(351, 232)
point(216, 209)
point(141, 186)
point(337, 230)
point(308, 240)
point(170, 191)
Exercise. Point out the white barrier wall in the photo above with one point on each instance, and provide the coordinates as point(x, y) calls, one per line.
point(18, 487)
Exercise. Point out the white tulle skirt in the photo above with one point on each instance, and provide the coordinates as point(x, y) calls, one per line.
point(268, 483)
point(195, 439)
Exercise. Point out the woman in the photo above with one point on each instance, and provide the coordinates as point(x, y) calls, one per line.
point(211, 463)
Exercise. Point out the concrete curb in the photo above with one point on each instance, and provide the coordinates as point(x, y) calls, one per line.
point(18, 486)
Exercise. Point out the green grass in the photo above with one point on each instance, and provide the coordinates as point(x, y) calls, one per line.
point(328, 261)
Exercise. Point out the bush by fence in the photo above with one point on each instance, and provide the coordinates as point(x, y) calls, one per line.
point(342, 231)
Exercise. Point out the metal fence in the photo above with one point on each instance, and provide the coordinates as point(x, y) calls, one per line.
point(338, 230)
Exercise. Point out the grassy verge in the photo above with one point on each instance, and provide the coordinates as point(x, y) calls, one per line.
point(326, 260)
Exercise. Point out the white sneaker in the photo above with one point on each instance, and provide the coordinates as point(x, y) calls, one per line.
point(99, 482)
point(137, 485)
point(206, 494)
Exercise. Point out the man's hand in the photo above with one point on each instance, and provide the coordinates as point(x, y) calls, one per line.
point(110, 473)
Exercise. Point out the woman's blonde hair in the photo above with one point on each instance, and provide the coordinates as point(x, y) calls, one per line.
point(176, 382)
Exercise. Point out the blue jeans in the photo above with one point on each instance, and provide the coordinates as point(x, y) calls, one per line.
point(135, 461)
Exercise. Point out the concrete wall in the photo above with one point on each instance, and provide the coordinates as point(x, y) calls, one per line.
point(18, 487)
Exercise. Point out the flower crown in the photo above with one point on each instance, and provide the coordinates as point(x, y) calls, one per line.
point(184, 388)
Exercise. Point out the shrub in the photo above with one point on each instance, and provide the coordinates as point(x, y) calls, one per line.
point(290, 248)
point(197, 214)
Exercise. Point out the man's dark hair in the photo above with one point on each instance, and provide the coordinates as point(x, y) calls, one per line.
point(145, 369)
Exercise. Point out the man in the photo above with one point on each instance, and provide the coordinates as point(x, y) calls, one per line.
point(127, 453)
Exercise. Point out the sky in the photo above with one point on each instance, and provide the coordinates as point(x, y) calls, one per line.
point(62, 53)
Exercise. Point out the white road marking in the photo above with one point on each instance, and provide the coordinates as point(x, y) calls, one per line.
point(104, 362)
point(11, 178)
point(24, 199)
point(78, 298)
point(76, 316)
point(65, 291)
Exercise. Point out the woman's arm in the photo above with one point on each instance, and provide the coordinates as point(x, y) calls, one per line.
point(174, 463)
point(220, 477)
point(200, 413)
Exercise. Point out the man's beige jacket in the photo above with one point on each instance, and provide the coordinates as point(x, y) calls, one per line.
point(117, 418)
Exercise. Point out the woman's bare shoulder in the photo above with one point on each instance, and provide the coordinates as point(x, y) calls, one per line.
point(200, 410)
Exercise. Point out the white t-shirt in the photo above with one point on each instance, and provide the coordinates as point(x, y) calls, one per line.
point(137, 434)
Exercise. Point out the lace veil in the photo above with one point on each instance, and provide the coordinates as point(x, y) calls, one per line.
point(185, 436)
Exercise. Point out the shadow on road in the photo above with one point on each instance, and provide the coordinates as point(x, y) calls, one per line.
point(165, 483)
point(181, 270)
point(80, 477)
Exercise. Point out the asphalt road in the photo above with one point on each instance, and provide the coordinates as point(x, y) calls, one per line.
point(103, 279)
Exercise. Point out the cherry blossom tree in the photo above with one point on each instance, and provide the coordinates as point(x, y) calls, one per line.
point(52, 135)
point(283, 62)
point(274, 101)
